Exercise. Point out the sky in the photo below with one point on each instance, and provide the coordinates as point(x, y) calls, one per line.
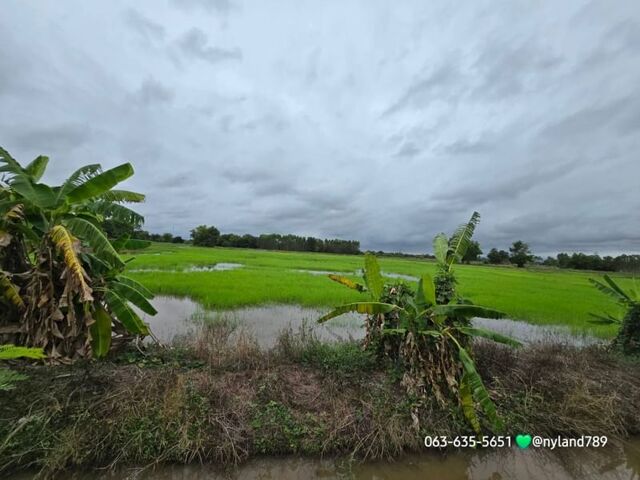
point(381, 121)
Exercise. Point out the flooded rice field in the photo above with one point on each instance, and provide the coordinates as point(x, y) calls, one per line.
point(216, 267)
point(359, 273)
point(181, 317)
point(611, 463)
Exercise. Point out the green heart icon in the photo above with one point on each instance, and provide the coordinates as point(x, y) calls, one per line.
point(523, 441)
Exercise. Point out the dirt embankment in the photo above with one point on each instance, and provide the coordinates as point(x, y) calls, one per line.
point(223, 402)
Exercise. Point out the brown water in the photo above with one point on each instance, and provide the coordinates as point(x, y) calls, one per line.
point(614, 463)
point(178, 317)
point(181, 316)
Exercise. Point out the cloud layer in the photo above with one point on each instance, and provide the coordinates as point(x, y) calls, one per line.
point(381, 121)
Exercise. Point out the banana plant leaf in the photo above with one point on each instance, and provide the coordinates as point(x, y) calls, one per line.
point(479, 392)
point(372, 276)
point(370, 308)
point(100, 333)
point(100, 183)
point(347, 282)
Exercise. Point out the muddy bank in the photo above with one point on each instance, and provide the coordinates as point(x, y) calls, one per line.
point(224, 402)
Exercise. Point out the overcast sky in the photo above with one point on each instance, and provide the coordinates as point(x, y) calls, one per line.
point(381, 121)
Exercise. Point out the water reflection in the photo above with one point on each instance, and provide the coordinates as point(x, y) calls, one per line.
point(180, 316)
point(359, 273)
point(611, 463)
point(217, 267)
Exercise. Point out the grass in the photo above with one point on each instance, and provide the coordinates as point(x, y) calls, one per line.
point(540, 296)
point(218, 400)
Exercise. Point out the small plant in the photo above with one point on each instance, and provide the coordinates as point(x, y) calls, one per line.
point(429, 329)
point(8, 378)
point(628, 338)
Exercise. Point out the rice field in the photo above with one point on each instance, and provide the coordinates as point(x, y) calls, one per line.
point(223, 278)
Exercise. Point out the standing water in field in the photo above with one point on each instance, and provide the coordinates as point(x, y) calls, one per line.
point(216, 267)
point(180, 317)
point(530, 333)
point(401, 276)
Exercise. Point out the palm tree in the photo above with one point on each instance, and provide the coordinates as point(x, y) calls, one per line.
point(58, 271)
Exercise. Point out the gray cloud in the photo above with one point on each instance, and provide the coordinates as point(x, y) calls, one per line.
point(153, 92)
point(508, 70)
point(149, 30)
point(386, 125)
point(219, 6)
point(60, 138)
point(468, 147)
point(435, 86)
point(408, 149)
point(194, 43)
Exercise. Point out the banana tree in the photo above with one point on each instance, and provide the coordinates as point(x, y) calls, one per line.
point(431, 348)
point(429, 330)
point(68, 273)
point(628, 337)
point(448, 252)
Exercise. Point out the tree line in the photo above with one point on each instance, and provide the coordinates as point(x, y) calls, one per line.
point(520, 254)
point(581, 261)
point(210, 236)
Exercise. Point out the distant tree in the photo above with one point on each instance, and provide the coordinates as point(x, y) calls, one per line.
point(204, 236)
point(248, 241)
point(166, 237)
point(550, 262)
point(472, 253)
point(229, 240)
point(520, 253)
point(141, 235)
point(497, 257)
point(177, 239)
point(563, 260)
point(269, 241)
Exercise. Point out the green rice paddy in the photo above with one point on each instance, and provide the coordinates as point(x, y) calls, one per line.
point(540, 296)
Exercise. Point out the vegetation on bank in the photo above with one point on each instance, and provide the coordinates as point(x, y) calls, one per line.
point(627, 339)
point(62, 287)
point(220, 399)
point(428, 332)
